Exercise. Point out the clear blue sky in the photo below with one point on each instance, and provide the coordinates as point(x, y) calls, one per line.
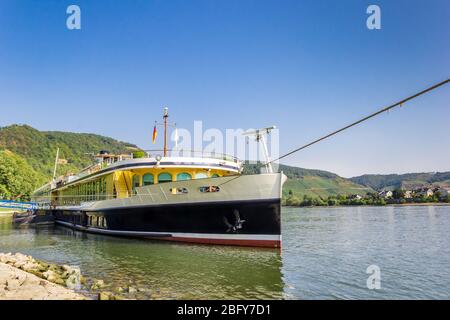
point(306, 66)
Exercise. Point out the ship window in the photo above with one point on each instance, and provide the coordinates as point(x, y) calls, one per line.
point(183, 176)
point(178, 190)
point(136, 182)
point(147, 179)
point(164, 177)
point(215, 175)
point(208, 189)
point(201, 175)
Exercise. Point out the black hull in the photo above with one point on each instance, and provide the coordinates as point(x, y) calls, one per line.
point(248, 223)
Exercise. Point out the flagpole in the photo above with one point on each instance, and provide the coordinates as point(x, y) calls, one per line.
point(166, 115)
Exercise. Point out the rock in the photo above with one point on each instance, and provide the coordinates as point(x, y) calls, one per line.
point(36, 273)
point(98, 285)
point(132, 290)
point(68, 268)
point(60, 281)
point(65, 275)
point(73, 281)
point(50, 275)
point(21, 285)
point(19, 264)
point(104, 295)
point(6, 257)
point(120, 290)
point(30, 265)
point(42, 266)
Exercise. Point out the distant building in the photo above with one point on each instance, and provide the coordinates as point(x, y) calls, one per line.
point(408, 194)
point(424, 192)
point(385, 194)
point(356, 196)
point(442, 191)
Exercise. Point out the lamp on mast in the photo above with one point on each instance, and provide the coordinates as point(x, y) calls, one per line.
point(259, 137)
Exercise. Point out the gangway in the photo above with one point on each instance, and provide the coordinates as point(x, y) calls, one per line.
point(13, 204)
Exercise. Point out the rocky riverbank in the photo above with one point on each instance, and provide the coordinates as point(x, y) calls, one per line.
point(24, 278)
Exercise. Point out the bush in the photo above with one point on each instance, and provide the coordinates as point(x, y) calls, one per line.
point(139, 154)
point(293, 201)
point(332, 202)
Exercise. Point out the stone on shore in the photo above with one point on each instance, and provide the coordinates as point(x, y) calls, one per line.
point(65, 276)
point(17, 284)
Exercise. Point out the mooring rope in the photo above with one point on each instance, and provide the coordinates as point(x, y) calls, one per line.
point(400, 103)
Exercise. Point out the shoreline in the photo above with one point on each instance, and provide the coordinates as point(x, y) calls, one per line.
point(24, 278)
point(425, 204)
point(17, 284)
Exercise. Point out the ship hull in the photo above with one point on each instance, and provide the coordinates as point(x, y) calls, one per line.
point(207, 223)
point(240, 214)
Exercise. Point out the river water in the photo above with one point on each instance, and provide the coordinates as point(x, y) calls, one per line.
point(325, 254)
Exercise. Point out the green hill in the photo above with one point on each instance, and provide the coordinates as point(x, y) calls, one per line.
point(39, 147)
point(314, 183)
point(406, 181)
point(27, 156)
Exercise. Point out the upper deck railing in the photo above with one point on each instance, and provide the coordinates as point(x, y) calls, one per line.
point(154, 154)
point(190, 153)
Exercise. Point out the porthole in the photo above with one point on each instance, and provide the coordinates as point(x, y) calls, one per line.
point(209, 189)
point(178, 190)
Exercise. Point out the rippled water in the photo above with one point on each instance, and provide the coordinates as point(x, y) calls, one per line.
point(325, 255)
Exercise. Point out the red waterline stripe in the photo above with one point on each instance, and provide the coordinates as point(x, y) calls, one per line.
point(232, 242)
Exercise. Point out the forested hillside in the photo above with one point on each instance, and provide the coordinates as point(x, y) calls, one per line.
point(407, 181)
point(314, 183)
point(27, 156)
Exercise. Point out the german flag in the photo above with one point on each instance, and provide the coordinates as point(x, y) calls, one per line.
point(155, 133)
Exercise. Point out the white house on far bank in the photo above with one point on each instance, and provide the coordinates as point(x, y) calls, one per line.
point(386, 194)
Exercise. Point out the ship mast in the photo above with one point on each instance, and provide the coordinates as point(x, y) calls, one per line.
point(56, 164)
point(259, 137)
point(165, 117)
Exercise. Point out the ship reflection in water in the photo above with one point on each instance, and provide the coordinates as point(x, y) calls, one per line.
point(156, 270)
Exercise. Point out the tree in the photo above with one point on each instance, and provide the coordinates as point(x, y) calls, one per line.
point(17, 177)
point(398, 194)
point(293, 201)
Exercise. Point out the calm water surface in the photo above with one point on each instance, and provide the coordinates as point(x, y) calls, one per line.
point(325, 255)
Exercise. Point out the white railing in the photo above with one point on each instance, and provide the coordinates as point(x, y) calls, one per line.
point(190, 153)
